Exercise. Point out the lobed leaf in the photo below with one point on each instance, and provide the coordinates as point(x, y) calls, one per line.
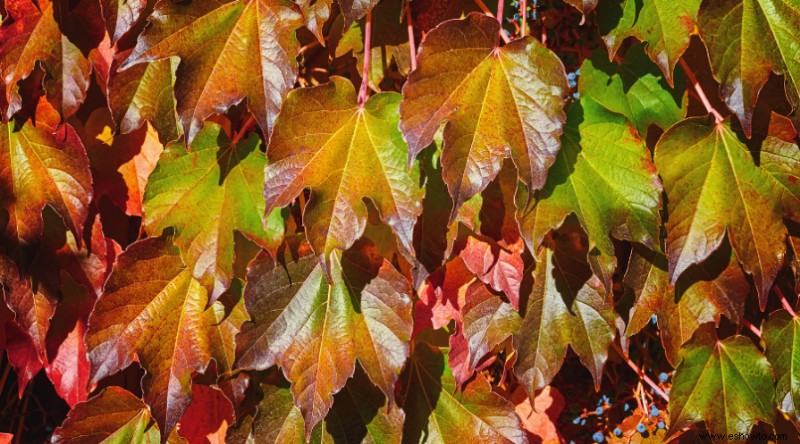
point(781, 334)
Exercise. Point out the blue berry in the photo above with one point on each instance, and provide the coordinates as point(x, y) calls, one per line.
point(626, 407)
point(654, 411)
point(599, 410)
point(576, 420)
point(516, 17)
point(576, 96)
point(598, 437)
point(571, 76)
point(583, 421)
point(617, 432)
point(578, 71)
point(661, 424)
point(653, 319)
point(533, 15)
point(663, 377)
point(640, 428)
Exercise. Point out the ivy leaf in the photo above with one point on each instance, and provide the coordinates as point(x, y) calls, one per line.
point(707, 291)
point(154, 309)
point(315, 14)
point(114, 415)
point(781, 334)
point(713, 186)
point(142, 93)
point(746, 40)
point(665, 25)
point(584, 6)
point(364, 156)
point(355, 9)
point(207, 193)
point(248, 52)
point(567, 306)
point(42, 164)
point(437, 412)
point(727, 383)
point(499, 103)
point(495, 266)
point(780, 157)
point(207, 417)
point(315, 331)
point(121, 15)
point(635, 88)
point(603, 175)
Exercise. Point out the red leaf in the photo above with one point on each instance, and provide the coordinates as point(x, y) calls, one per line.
point(539, 419)
point(501, 269)
point(208, 416)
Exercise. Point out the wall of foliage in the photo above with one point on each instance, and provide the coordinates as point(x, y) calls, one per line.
point(396, 221)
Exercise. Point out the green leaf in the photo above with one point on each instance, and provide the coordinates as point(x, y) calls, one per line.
point(703, 294)
point(746, 40)
point(364, 157)
point(248, 52)
point(635, 88)
point(438, 413)
point(154, 309)
point(43, 164)
point(604, 175)
point(781, 334)
point(665, 25)
point(714, 187)
point(498, 102)
point(207, 193)
point(780, 157)
point(726, 383)
point(315, 331)
point(567, 306)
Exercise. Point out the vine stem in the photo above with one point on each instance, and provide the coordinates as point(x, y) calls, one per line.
point(701, 94)
point(243, 130)
point(412, 46)
point(523, 14)
point(362, 93)
point(784, 302)
point(500, 5)
point(639, 372)
point(26, 398)
point(751, 327)
point(488, 12)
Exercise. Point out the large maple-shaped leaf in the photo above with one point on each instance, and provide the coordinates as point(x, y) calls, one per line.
point(707, 291)
point(498, 102)
point(567, 306)
point(781, 336)
point(364, 157)
point(35, 35)
point(604, 175)
point(438, 413)
point(665, 25)
point(714, 186)
point(42, 164)
point(248, 52)
point(634, 88)
point(142, 93)
point(113, 416)
point(726, 383)
point(153, 308)
point(316, 331)
point(121, 15)
point(207, 193)
point(746, 40)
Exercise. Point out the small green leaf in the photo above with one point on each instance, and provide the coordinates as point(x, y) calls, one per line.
point(781, 336)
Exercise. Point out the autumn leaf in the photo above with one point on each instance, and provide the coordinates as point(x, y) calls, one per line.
point(495, 266)
point(567, 306)
point(584, 6)
point(726, 383)
point(315, 331)
point(603, 175)
point(248, 53)
point(437, 412)
point(498, 102)
point(364, 156)
point(154, 309)
point(206, 193)
point(665, 25)
point(121, 15)
point(781, 334)
point(355, 9)
point(42, 164)
point(208, 416)
point(714, 187)
point(746, 41)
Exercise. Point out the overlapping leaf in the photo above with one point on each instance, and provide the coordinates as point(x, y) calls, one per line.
point(714, 187)
point(634, 88)
point(437, 412)
point(364, 157)
point(121, 15)
point(207, 193)
point(707, 291)
point(726, 383)
point(42, 164)
point(603, 175)
point(498, 102)
point(154, 309)
point(746, 40)
point(315, 331)
point(781, 336)
point(567, 306)
point(665, 25)
point(248, 51)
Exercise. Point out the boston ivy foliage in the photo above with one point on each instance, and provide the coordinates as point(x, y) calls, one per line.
point(399, 221)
